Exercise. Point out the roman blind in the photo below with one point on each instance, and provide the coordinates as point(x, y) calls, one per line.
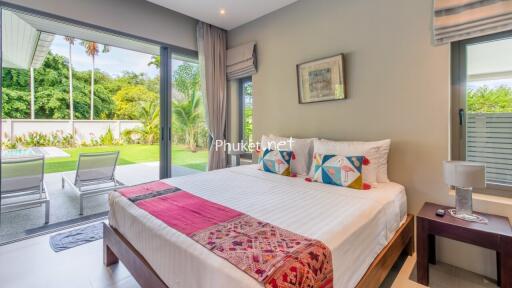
point(462, 19)
point(241, 61)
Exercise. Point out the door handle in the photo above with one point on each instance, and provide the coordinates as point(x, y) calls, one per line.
point(461, 116)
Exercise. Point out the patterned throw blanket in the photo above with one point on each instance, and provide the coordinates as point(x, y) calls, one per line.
point(274, 256)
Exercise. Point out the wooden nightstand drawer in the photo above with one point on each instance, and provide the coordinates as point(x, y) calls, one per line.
point(463, 234)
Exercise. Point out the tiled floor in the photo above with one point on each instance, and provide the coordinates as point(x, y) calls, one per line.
point(441, 276)
point(31, 263)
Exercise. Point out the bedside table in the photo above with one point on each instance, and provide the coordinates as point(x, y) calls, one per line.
point(237, 158)
point(495, 235)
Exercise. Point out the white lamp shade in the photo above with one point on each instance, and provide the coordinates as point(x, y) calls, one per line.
point(464, 174)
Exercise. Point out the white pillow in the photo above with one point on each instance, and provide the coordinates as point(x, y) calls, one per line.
point(302, 148)
point(382, 172)
point(351, 149)
point(376, 152)
point(382, 157)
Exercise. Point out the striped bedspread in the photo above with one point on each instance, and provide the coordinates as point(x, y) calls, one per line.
point(274, 256)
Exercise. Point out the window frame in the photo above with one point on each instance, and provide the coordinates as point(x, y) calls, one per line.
point(241, 106)
point(458, 102)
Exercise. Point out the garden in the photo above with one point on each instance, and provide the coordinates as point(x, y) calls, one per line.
point(485, 99)
point(62, 93)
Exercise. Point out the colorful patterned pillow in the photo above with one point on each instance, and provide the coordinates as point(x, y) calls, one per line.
point(275, 161)
point(346, 171)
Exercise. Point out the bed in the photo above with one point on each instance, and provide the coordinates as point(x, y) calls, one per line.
point(365, 230)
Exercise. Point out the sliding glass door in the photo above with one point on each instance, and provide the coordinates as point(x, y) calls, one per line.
point(68, 89)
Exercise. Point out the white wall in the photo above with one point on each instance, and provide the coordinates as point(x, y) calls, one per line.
point(84, 130)
point(398, 88)
point(137, 17)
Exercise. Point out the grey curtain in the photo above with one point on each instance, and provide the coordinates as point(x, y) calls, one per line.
point(462, 19)
point(211, 42)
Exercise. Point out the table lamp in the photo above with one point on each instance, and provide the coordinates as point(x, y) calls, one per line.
point(464, 176)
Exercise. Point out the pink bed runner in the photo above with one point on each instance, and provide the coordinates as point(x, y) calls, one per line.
point(274, 256)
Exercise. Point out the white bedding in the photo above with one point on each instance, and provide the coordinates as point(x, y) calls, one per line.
point(354, 224)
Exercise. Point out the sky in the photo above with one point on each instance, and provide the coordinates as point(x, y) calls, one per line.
point(114, 62)
point(490, 83)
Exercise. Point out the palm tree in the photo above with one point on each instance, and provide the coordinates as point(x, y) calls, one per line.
point(92, 50)
point(155, 61)
point(71, 42)
point(188, 118)
point(149, 115)
point(187, 112)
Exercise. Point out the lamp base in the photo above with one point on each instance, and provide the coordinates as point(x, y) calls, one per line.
point(468, 217)
point(464, 201)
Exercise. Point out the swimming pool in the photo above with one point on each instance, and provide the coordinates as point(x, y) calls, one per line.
point(21, 153)
point(47, 152)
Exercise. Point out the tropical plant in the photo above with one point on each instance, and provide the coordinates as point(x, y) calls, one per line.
point(247, 124)
point(129, 136)
point(149, 115)
point(33, 139)
point(52, 101)
point(107, 138)
point(16, 94)
point(68, 140)
point(16, 105)
point(129, 99)
point(92, 50)
point(488, 100)
point(155, 61)
point(39, 139)
point(186, 79)
point(7, 143)
point(247, 116)
point(188, 115)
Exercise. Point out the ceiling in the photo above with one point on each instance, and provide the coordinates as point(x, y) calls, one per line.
point(237, 12)
point(23, 45)
point(66, 29)
point(490, 60)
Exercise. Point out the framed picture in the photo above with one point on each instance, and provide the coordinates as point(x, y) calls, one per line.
point(321, 80)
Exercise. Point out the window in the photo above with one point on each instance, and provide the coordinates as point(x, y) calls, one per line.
point(482, 105)
point(245, 130)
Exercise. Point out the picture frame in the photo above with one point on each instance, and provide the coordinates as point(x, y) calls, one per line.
point(321, 80)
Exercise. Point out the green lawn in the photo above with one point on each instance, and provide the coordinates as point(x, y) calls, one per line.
point(131, 154)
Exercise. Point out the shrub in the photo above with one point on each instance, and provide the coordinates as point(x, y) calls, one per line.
point(7, 144)
point(33, 139)
point(132, 136)
point(68, 141)
point(94, 141)
point(489, 100)
point(107, 138)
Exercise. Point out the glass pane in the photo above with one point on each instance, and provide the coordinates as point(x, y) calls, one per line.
point(189, 133)
point(489, 108)
point(247, 110)
point(49, 84)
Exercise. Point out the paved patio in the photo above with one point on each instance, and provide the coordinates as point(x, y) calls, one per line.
point(65, 203)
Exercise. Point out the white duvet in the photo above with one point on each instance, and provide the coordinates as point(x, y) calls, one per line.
point(354, 224)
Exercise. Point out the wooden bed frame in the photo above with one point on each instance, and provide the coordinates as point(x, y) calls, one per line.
point(116, 247)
